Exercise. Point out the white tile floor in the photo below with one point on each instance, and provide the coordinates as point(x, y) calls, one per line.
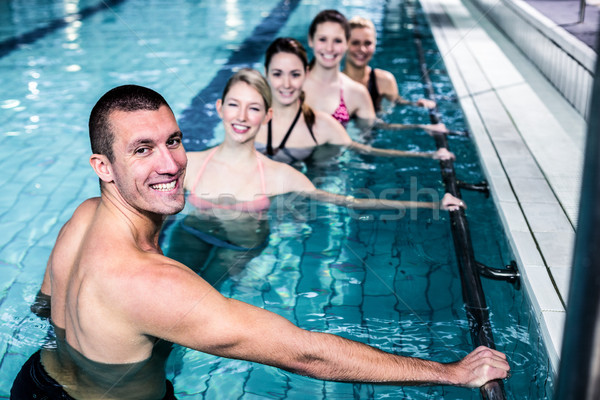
point(530, 141)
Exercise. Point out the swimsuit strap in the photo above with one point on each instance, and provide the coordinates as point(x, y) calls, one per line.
point(203, 167)
point(287, 134)
point(289, 131)
point(269, 144)
point(373, 89)
point(342, 102)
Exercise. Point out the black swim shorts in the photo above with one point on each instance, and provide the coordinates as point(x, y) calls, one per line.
point(33, 382)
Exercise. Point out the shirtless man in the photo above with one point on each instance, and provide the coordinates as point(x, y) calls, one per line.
point(117, 302)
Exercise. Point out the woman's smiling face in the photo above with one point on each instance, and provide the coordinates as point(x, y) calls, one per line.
point(361, 46)
point(286, 75)
point(329, 44)
point(243, 111)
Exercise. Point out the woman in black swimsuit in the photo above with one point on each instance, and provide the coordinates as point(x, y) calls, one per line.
point(380, 83)
point(296, 129)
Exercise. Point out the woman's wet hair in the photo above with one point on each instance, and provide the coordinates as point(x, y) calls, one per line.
point(255, 80)
point(286, 45)
point(360, 22)
point(291, 46)
point(329, 16)
point(128, 98)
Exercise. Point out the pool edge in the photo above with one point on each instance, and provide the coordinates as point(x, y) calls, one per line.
point(540, 227)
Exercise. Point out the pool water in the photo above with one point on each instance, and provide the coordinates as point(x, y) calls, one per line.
point(386, 279)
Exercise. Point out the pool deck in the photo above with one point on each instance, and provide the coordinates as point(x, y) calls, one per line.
point(530, 140)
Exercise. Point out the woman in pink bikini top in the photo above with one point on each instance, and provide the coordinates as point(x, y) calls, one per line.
point(329, 90)
point(326, 88)
point(257, 205)
point(233, 177)
point(229, 188)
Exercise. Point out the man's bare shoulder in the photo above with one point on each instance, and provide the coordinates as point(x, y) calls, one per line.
point(156, 293)
point(79, 222)
point(86, 209)
point(127, 277)
point(146, 270)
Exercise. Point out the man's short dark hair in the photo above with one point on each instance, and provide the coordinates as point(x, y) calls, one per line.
point(127, 98)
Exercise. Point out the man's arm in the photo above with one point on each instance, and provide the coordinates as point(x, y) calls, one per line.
point(192, 313)
point(440, 154)
point(41, 306)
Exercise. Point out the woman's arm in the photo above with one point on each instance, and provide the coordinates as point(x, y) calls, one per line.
point(328, 130)
point(440, 154)
point(366, 124)
point(448, 202)
point(429, 128)
point(388, 88)
point(358, 100)
point(283, 178)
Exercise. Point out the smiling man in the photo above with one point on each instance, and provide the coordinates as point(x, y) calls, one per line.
point(117, 302)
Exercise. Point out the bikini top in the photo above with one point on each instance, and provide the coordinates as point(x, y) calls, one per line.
point(341, 112)
point(303, 152)
point(259, 204)
point(374, 90)
point(292, 155)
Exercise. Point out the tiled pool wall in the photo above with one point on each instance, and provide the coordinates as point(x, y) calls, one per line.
point(567, 62)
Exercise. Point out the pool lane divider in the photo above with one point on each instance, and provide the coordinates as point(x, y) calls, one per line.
point(472, 290)
point(198, 121)
point(9, 45)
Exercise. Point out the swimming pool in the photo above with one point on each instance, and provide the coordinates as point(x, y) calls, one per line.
point(387, 281)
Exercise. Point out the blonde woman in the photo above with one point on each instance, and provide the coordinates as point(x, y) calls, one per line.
point(379, 83)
